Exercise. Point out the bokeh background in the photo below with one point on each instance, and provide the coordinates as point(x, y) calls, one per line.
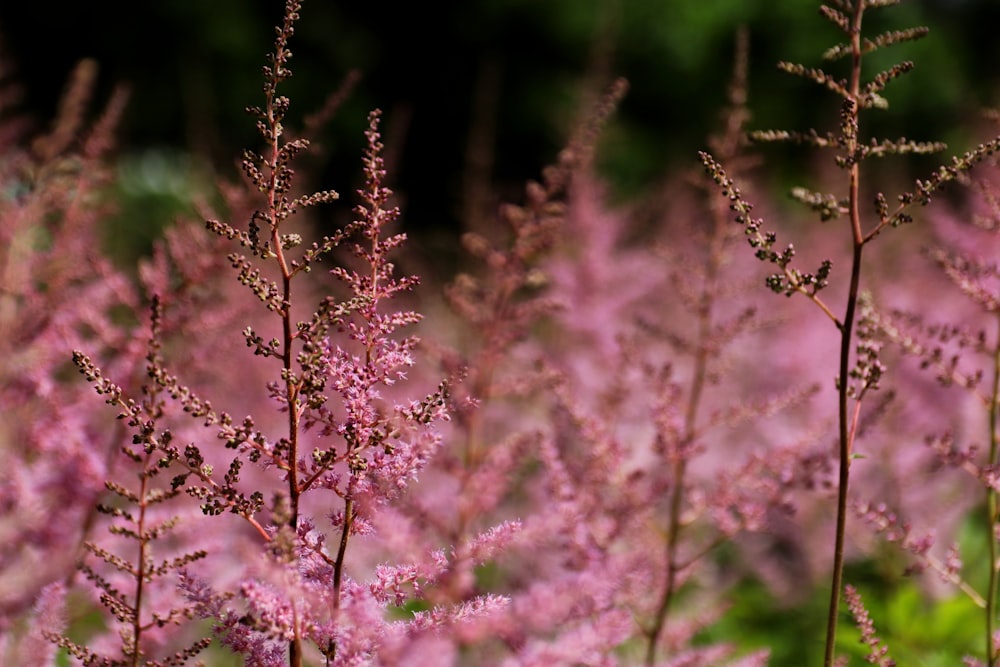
point(485, 90)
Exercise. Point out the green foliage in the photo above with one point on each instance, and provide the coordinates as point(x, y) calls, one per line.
point(153, 188)
point(918, 632)
point(757, 619)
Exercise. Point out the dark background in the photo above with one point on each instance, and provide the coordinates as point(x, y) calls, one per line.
point(509, 73)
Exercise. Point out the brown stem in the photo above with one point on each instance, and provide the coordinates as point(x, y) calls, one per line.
point(291, 388)
point(670, 587)
point(844, 454)
point(345, 533)
point(674, 529)
point(846, 434)
point(992, 513)
point(287, 356)
point(338, 566)
point(90, 518)
point(140, 575)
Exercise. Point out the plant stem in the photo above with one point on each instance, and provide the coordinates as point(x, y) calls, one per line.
point(140, 575)
point(669, 588)
point(369, 313)
point(677, 493)
point(288, 338)
point(846, 445)
point(846, 433)
point(716, 257)
point(295, 645)
point(291, 388)
point(338, 567)
point(991, 510)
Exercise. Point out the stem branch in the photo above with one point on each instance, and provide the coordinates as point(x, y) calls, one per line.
point(846, 432)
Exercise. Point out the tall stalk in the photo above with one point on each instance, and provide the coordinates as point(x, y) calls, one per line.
point(287, 345)
point(729, 144)
point(853, 380)
point(679, 472)
point(992, 511)
point(846, 430)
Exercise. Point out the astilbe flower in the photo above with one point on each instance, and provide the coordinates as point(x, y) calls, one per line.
point(894, 530)
point(461, 501)
point(385, 453)
point(598, 550)
point(47, 614)
point(645, 476)
point(131, 569)
point(581, 568)
point(57, 293)
point(496, 437)
point(64, 302)
point(297, 595)
point(584, 560)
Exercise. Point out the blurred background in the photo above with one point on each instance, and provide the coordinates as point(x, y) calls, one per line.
point(476, 94)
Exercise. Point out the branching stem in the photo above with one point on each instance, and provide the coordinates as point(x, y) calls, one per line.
point(274, 204)
point(716, 257)
point(846, 432)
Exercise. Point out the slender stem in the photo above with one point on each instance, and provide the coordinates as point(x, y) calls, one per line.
point(338, 563)
point(714, 262)
point(846, 445)
point(369, 313)
point(294, 413)
point(673, 538)
point(291, 388)
point(90, 519)
point(992, 512)
point(846, 432)
point(345, 534)
point(287, 355)
point(482, 389)
point(140, 575)
point(338, 566)
point(819, 303)
point(674, 524)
